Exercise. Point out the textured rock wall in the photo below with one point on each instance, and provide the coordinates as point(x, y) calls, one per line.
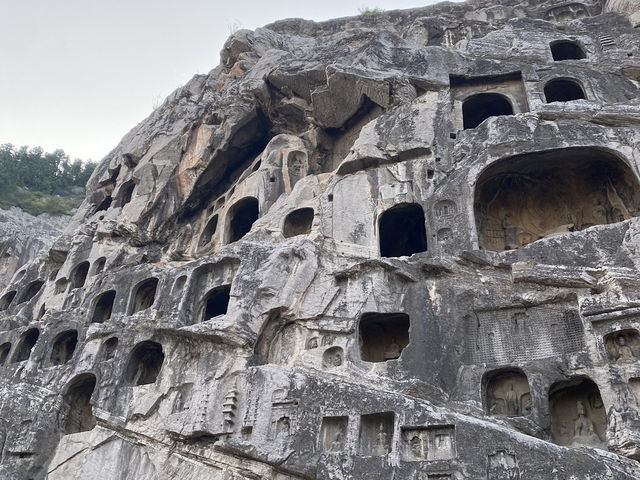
point(400, 245)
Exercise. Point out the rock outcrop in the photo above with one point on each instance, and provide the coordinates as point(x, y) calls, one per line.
point(399, 245)
point(23, 236)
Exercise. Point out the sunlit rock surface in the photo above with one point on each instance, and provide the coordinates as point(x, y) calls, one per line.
point(400, 245)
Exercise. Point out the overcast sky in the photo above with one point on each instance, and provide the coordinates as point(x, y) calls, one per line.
point(79, 74)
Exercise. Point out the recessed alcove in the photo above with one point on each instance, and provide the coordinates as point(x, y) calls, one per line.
point(209, 230)
point(402, 231)
point(125, 193)
point(145, 295)
point(104, 205)
point(566, 50)
point(623, 346)
point(79, 275)
point(25, 345)
point(6, 299)
point(240, 218)
point(5, 348)
point(521, 199)
point(63, 347)
point(298, 222)
point(108, 348)
point(506, 392)
point(578, 416)
point(376, 433)
point(333, 434)
point(145, 362)
point(98, 266)
point(563, 90)
point(79, 416)
point(31, 291)
point(103, 307)
point(383, 336)
point(216, 302)
point(477, 108)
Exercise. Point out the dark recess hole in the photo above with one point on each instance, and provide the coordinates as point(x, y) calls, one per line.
point(383, 336)
point(402, 231)
point(104, 205)
point(99, 265)
point(78, 400)
point(243, 215)
point(145, 363)
point(145, 295)
point(5, 348)
point(104, 307)
point(79, 275)
point(298, 222)
point(63, 347)
point(563, 90)
point(126, 193)
point(31, 291)
point(28, 341)
point(478, 108)
point(209, 231)
point(7, 299)
point(566, 50)
point(216, 302)
point(109, 348)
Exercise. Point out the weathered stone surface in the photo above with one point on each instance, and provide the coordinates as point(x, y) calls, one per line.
point(373, 247)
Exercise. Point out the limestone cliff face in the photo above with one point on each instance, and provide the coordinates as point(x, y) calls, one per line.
point(399, 245)
point(22, 237)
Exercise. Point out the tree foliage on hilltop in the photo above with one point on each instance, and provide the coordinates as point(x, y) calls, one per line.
point(35, 170)
point(41, 182)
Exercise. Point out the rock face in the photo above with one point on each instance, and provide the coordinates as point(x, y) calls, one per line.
point(22, 237)
point(400, 245)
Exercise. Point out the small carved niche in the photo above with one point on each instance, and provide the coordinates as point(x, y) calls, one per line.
point(78, 402)
point(27, 342)
point(563, 90)
point(144, 363)
point(376, 433)
point(477, 108)
point(566, 50)
point(383, 336)
point(63, 347)
point(502, 465)
point(279, 341)
point(402, 231)
point(5, 348)
point(6, 300)
point(209, 231)
point(145, 295)
point(241, 217)
point(109, 347)
point(104, 307)
point(79, 275)
point(216, 302)
point(634, 386)
point(420, 444)
point(623, 346)
point(578, 416)
point(298, 222)
point(566, 13)
point(98, 266)
point(333, 357)
point(61, 285)
point(31, 291)
point(333, 434)
point(445, 209)
point(506, 392)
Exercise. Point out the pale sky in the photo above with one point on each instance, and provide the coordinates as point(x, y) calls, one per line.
point(79, 74)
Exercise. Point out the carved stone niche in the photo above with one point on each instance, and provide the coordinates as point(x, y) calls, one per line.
point(376, 433)
point(506, 392)
point(333, 434)
point(566, 13)
point(521, 199)
point(502, 465)
point(623, 346)
point(578, 416)
point(634, 386)
point(332, 357)
point(383, 336)
point(423, 444)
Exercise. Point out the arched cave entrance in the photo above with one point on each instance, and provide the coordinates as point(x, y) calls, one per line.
point(563, 90)
point(566, 50)
point(521, 199)
point(298, 222)
point(477, 108)
point(145, 295)
point(27, 342)
point(144, 363)
point(242, 215)
point(78, 403)
point(402, 231)
point(104, 307)
point(63, 347)
point(79, 275)
point(506, 392)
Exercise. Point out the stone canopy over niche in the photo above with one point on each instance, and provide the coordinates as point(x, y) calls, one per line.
point(506, 392)
point(578, 416)
point(522, 199)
